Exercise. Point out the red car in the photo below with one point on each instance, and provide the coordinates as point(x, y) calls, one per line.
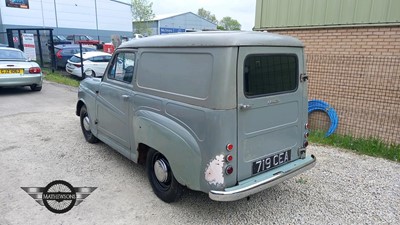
point(84, 39)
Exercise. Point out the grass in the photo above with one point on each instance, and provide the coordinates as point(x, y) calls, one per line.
point(368, 146)
point(59, 78)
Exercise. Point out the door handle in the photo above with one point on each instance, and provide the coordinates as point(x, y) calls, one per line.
point(125, 97)
point(244, 106)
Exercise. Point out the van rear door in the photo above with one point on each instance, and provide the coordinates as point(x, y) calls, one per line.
point(272, 108)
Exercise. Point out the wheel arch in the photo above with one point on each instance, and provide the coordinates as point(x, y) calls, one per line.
point(79, 105)
point(176, 143)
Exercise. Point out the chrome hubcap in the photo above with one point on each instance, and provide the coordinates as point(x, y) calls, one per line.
point(86, 123)
point(161, 170)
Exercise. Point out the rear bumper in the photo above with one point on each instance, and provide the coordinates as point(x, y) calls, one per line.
point(263, 181)
point(23, 80)
point(73, 71)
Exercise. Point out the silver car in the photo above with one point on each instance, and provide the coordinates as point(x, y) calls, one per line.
point(17, 70)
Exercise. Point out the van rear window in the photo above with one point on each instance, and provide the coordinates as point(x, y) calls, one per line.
point(270, 74)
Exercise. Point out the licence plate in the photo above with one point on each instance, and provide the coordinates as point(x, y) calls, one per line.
point(271, 161)
point(11, 71)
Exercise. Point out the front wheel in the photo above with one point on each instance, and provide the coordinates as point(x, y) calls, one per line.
point(85, 125)
point(161, 178)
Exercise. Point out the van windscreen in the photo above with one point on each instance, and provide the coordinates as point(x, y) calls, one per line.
point(270, 74)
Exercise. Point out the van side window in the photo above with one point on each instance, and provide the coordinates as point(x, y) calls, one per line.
point(269, 74)
point(122, 67)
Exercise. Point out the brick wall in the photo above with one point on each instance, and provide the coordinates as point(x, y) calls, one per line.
point(377, 41)
point(357, 71)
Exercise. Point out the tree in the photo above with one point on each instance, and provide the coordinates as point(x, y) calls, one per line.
point(142, 12)
point(207, 15)
point(227, 23)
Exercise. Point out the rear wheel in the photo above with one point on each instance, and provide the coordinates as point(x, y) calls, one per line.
point(161, 178)
point(88, 73)
point(85, 125)
point(34, 87)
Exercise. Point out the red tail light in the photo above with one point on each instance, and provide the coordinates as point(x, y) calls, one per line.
point(58, 54)
point(305, 144)
point(229, 147)
point(35, 70)
point(229, 170)
point(229, 158)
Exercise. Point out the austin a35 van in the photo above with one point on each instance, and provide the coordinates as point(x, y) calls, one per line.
point(224, 113)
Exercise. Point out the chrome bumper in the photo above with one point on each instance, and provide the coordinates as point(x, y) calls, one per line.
point(252, 186)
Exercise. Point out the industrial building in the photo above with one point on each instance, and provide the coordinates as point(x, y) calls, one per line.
point(176, 23)
point(97, 18)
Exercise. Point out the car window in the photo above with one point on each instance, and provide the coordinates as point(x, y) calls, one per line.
point(75, 59)
point(62, 38)
point(88, 49)
point(106, 58)
point(270, 74)
point(11, 54)
point(96, 59)
point(68, 51)
point(122, 67)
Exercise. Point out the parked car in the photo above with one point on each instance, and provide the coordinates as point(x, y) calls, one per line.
point(59, 40)
point(223, 113)
point(65, 52)
point(136, 36)
point(94, 63)
point(85, 40)
point(17, 70)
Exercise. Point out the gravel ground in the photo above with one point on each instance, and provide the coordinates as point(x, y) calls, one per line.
point(41, 141)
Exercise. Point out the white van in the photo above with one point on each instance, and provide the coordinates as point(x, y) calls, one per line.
point(224, 113)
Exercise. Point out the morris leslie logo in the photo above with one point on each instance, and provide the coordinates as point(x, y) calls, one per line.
point(59, 196)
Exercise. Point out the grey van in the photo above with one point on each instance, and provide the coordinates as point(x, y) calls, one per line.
point(223, 113)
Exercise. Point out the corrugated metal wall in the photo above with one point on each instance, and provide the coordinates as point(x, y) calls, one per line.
point(305, 13)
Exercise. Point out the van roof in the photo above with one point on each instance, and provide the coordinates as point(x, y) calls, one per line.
point(214, 39)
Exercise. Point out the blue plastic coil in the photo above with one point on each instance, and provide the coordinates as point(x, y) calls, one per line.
point(319, 105)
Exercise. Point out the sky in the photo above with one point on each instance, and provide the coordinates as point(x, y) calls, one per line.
point(241, 10)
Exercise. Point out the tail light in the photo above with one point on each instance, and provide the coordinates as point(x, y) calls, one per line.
point(307, 126)
point(229, 170)
point(229, 147)
point(305, 144)
point(58, 54)
point(229, 158)
point(306, 134)
point(77, 65)
point(35, 70)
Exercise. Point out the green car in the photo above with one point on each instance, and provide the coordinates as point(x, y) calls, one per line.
point(224, 113)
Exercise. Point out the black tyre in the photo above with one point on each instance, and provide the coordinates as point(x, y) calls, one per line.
point(85, 125)
point(34, 87)
point(161, 178)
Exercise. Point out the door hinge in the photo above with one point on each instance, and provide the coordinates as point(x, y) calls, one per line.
point(303, 77)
